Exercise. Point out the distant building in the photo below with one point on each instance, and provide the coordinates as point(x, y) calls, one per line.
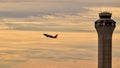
point(105, 27)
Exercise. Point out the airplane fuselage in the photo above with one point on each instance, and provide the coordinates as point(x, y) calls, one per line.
point(50, 36)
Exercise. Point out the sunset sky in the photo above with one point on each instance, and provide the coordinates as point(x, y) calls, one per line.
point(54, 15)
point(23, 23)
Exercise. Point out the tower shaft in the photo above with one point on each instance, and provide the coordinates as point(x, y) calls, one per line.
point(105, 46)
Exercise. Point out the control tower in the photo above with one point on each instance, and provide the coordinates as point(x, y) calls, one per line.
point(105, 27)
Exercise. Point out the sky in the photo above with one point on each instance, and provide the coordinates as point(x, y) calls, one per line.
point(54, 15)
point(23, 23)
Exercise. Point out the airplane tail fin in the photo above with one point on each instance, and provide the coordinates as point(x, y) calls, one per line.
point(56, 36)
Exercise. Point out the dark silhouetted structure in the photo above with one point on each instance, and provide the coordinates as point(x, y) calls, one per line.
point(105, 27)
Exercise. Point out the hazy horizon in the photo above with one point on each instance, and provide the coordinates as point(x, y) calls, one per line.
point(23, 23)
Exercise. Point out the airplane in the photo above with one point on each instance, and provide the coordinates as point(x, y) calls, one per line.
point(50, 36)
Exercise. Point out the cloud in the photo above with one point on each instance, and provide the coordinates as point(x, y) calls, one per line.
point(53, 15)
point(47, 21)
point(24, 55)
point(73, 22)
point(46, 55)
point(2, 65)
point(52, 5)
